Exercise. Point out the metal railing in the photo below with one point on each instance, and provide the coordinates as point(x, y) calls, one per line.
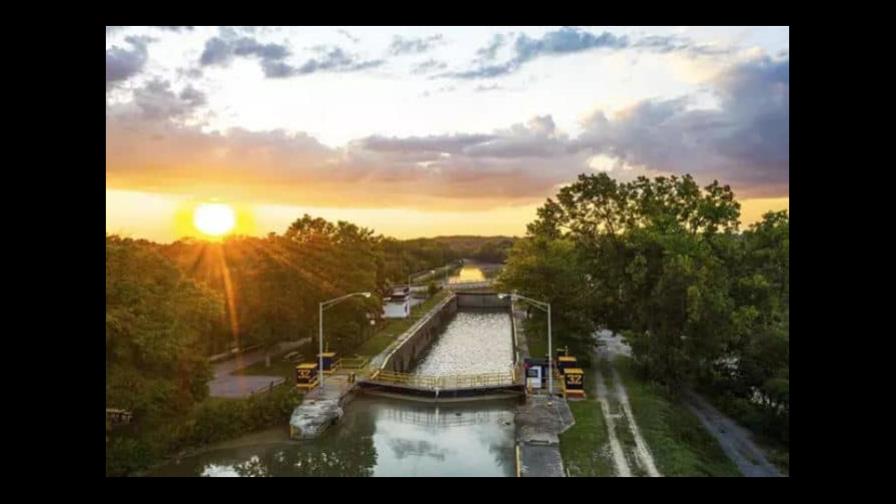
point(446, 382)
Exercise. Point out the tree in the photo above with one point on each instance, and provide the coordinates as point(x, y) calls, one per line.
point(155, 321)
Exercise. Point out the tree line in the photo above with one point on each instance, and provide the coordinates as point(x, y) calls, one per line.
point(663, 262)
point(170, 306)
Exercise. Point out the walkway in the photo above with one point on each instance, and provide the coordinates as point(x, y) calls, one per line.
point(228, 385)
point(539, 423)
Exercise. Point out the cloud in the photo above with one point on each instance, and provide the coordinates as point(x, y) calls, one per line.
point(427, 66)
point(401, 45)
point(743, 142)
point(483, 88)
point(122, 64)
point(221, 50)
point(175, 28)
point(156, 102)
point(563, 41)
point(570, 40)
point(332, 59)
point(349, 36)
point(489, 52)
point(443, 89)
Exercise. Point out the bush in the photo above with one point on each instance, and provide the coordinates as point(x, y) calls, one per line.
point(212, 421)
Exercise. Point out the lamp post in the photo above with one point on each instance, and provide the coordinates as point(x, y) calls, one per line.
point(324, 305)
point(547, 308)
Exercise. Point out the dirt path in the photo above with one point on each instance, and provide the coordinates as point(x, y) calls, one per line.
point(610, 348)
point(641, 450)
point(622, 468)
point(735, 441)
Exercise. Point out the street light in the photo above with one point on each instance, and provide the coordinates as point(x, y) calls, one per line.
point(544, 307)
point(324, 305)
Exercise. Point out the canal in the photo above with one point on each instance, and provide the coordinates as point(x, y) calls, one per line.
point(392, 437)
point(474, 342)
point(375, 437)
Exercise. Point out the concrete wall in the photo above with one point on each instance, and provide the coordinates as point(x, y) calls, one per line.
point(425, 332)
point(481, 300)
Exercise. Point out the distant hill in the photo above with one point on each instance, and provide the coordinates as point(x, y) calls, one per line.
point(483, 248)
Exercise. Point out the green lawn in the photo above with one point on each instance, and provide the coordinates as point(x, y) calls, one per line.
point(678, 441)
point(583, 446)
point(392, 328)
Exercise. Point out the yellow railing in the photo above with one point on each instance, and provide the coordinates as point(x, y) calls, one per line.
point(446, 381)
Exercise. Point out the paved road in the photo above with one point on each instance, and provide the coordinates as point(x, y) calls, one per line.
point(226, 384)
point(736, 441)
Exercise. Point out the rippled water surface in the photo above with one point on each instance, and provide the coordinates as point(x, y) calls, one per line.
point(468, 273)
point(376, 437)
point(473, 342)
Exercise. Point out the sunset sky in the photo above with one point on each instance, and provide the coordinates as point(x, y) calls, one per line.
point(417, 131)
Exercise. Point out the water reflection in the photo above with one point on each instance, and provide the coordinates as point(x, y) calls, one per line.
point(472, 343)
point(376, 437)
point(468, 273)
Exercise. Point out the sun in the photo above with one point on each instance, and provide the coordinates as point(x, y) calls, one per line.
point(214, 219)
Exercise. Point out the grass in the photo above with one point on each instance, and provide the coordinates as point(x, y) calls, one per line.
point(583, 446)
point(679, 443)
point(381, 339)
point(393, 328)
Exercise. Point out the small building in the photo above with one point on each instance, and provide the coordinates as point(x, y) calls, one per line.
point(399, 303)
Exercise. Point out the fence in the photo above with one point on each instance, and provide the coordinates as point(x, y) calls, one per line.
point(446, 382)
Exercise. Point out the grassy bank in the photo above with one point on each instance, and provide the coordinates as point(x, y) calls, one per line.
point(584, 445)
point(133, 448)
point(392, 328)
point(679, 443)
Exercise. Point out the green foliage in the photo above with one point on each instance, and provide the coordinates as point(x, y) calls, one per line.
point(662, 261)
point(273, 285)
point(680, 444)
point(211, 421)
point(155, 320)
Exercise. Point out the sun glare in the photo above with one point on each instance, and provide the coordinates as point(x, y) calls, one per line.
point(214, 219)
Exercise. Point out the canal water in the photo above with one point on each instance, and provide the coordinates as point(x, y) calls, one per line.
point(470, 272)
point(473, 342)
point(375, 437)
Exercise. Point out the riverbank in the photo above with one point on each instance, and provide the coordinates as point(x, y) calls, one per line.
point(376, 437)
point(155, 441)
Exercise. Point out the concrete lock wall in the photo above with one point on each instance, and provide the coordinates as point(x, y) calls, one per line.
point(404, 357)
point(481, 300)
